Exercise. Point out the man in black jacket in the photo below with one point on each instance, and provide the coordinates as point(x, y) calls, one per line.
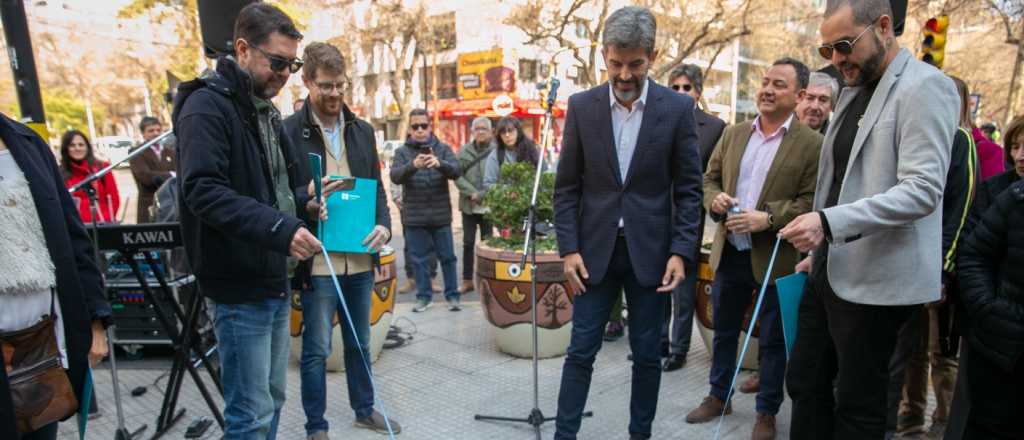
point(325, 126)
point(423, 166)
point(239, 192)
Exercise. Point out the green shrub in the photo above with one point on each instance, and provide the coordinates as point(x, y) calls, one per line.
point(509, 204)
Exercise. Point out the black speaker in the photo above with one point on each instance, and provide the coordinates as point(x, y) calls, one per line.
point(899, 15)
point(217, 24)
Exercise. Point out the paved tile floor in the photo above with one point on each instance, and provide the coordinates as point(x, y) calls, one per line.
point(449, 371)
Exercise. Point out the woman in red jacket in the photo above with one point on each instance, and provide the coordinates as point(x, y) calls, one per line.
point(77, 162)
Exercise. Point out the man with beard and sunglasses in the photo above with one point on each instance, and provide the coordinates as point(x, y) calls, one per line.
point(815, 104)
point(239, 193)
point(627, 205)
point(875, 234)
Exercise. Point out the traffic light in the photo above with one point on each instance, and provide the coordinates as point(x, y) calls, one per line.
point(934, 44)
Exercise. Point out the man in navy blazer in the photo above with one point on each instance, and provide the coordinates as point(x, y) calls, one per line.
point(629, 153)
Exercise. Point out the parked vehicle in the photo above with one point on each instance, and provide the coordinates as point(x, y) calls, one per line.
point(113, 149)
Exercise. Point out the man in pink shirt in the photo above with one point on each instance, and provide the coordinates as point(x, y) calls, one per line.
point(761, 175)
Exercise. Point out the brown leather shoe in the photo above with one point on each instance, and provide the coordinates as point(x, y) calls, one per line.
point(467, 286)
point(409, 286)
point(764, 429)
point(751, 385)
point(708, 410)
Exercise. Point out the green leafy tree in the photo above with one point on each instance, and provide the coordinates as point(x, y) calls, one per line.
point(65, 111)
point(509, 204)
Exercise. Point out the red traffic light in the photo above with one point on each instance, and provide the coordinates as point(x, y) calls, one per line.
point(937, 24)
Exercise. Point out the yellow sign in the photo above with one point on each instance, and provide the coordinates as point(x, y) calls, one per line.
point(483, 75)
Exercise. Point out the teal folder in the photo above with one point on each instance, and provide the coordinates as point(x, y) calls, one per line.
point(791, 291)
point(350, 217)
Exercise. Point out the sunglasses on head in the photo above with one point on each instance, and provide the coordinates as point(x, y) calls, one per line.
point(419, 126)
point(844, 47)
point(685, 87)
point(278, 63)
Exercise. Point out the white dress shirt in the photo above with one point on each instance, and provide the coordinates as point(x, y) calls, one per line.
point(626, 129)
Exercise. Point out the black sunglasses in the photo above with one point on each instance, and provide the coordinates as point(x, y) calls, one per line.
point(419, 126)
point(686, 87)
point(844, 47)
point(278, 63)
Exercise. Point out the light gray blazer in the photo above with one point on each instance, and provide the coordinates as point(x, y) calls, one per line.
point(887, 226)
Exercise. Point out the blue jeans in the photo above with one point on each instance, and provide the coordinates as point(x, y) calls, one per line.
point(423, 242)
point(730, 297)
point(253, 344)
point(318, 308)
point(589, 317)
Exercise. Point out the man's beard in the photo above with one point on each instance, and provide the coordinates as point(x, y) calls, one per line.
point(628, 96)
point(262, 89)
point(870, 68)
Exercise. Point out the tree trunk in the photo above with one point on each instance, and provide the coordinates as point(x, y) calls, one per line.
point(1013, 95)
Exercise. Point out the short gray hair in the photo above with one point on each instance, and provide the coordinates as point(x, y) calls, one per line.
point(865, 12)
point(692, 72)
point(820, 79)
point(481, 120)
point(630, 27)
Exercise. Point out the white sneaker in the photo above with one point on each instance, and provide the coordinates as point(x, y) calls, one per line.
point(421, 305)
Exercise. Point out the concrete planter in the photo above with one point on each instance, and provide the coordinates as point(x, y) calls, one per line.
point(703, 312)
point(505, 296)
point(382, 311)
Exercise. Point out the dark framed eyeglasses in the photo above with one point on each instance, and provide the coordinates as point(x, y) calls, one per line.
point(685, 87)
point(278, 63)
point(419, 126)
point(844, 47)
point(507, 130)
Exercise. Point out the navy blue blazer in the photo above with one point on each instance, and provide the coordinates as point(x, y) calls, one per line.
point(79, 287)
point(590, 196)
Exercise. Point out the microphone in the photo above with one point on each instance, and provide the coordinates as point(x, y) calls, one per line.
point(548, 92)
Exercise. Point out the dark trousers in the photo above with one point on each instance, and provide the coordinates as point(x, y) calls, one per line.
point(407, 254)
point(997, 400)
point(470, 224)
point(907, 342)
point(590, 314)
point(48, 432)
point(730, 297)
point(851, 344)
point(678, 327)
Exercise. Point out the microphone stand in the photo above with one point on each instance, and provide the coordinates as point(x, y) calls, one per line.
point(121, 433)
point(536, 417)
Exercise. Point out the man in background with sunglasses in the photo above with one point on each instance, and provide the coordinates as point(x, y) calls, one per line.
point(875, 233)
point(423, 166)
point(239, 193)
point(689, 80)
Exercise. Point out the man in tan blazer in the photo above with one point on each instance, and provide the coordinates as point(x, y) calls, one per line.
point(766, 169)
point(152, 168)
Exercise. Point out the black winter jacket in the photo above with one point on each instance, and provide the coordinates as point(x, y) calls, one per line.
point(425, 200)
point(235, 237)
point(363, 162)
point(992, 281)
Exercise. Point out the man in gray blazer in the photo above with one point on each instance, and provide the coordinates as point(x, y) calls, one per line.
point(875, 233)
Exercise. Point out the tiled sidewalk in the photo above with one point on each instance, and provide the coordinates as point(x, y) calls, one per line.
point(450, 371)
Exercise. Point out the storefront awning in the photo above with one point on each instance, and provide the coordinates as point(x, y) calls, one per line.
point(524, 108)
